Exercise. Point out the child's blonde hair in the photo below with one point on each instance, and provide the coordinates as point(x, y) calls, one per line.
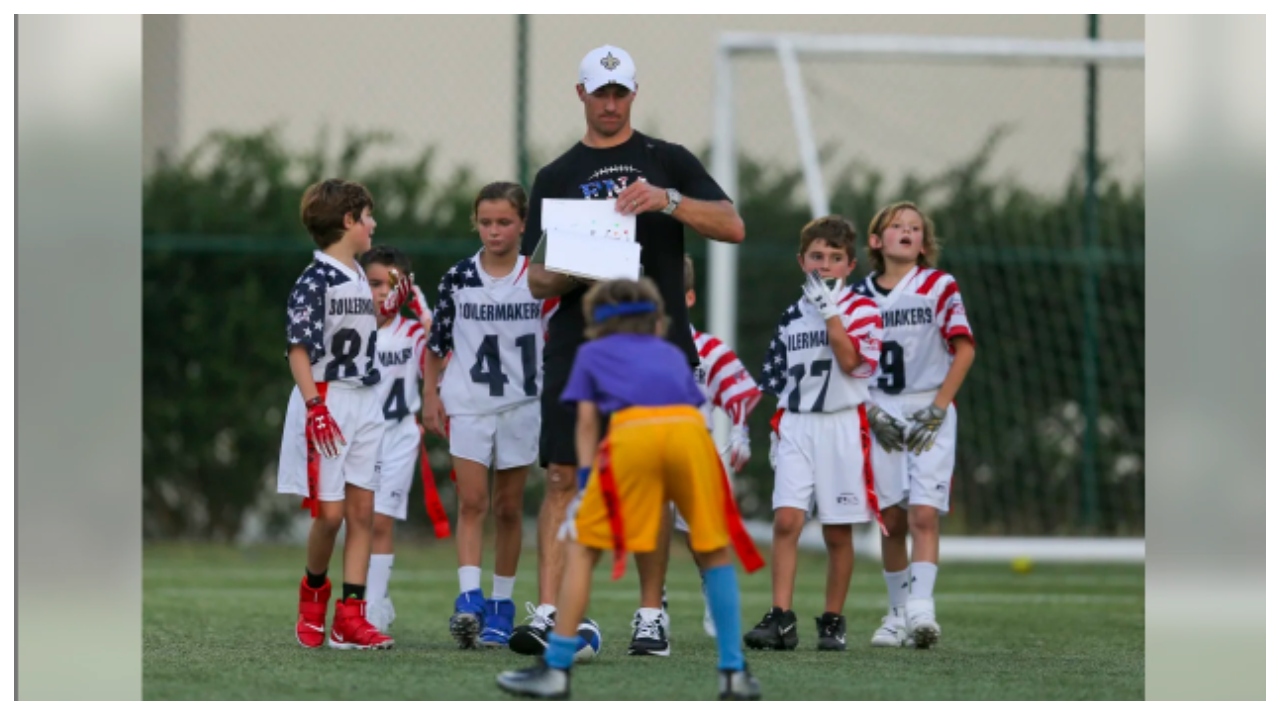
point(928, 257)
point(636, 307)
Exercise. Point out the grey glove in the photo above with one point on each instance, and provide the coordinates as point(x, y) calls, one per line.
point(889, 432)
point(924, 428)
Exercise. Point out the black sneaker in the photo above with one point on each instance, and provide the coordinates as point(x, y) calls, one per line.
point(531, 638)
point(649, 637)
point(739, 685)
point(541, 681)
point(776, 631)
point(831, 628)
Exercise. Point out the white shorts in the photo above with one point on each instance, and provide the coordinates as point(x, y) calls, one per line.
point(399, 455)
point(820, 464)
point(927, 477)
point(358, 414)
point(503, 440)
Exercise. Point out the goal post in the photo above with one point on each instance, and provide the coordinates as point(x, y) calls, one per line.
point(722, 258)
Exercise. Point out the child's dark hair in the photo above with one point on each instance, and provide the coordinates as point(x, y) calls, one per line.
point(630, 298)
point(836, 231)
point(389, 256)
point(499, 191)
point(326, 203)
point(928, 257)
point(689, 275)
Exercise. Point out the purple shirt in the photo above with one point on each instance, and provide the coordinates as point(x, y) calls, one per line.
point(628, 369)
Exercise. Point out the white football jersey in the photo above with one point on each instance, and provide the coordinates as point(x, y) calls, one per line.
point(800, 368)
point(401, 345)
point(331, 312)
point(494, 328)
point(920, 315)
point(723, 378)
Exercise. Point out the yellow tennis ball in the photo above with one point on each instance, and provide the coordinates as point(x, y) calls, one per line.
point(1022, 564)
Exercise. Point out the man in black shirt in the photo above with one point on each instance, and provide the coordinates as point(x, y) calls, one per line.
point(666, 188)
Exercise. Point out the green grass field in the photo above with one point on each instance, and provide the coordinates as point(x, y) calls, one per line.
point(218, 624)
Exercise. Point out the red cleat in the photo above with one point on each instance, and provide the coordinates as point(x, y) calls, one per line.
point(352, 631)
point(313, 604)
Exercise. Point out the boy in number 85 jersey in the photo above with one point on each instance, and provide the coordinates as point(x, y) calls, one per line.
point(488, 319)
point(333, 427)
point(928, 349)
point(819, 365)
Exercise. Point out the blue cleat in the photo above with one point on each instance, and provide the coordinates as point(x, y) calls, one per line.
point(468, 618)
point(499, 619)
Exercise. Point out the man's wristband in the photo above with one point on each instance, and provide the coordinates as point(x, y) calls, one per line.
point(584, 473)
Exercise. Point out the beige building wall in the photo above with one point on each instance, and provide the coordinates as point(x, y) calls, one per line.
point(449, 81)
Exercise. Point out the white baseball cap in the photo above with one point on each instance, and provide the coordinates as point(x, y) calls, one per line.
point(606, 65)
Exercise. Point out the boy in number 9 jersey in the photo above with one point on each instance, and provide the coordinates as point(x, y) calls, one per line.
point(819, 365)
point(928, 349)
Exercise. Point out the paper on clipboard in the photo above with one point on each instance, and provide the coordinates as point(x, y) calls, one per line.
point(590, 239)
point(589, 217)
point(591, 257)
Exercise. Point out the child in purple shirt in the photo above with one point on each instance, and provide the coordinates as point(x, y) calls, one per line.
point(657, 450)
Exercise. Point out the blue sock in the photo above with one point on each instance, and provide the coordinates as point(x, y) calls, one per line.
point(560, 651)
point(722, 595)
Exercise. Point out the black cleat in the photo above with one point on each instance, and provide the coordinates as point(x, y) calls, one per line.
point(831, 628)
point(649, 637)
point(739, 685)
point(531, 638)
point(776, 631)
point(541, 681)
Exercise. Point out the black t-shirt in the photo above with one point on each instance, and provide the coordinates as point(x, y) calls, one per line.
point(586, 173)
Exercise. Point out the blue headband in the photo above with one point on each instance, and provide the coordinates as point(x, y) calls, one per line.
point(605, 312)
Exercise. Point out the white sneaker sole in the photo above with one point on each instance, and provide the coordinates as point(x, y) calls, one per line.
point(887, 642)
point(352, 646)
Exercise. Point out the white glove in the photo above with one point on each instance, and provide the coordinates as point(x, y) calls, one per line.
point(822, 297)
point(739, 448)
point(569, 529)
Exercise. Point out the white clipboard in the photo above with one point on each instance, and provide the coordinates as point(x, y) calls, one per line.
point(590, 239)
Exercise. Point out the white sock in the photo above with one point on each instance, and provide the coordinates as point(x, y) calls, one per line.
point(898, 584)
point(379, 577)
point(503, 587)
point(468, 578)
point(650, 614)
point(923, 575)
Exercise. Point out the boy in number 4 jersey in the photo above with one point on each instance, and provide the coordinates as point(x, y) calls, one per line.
point(401, 347)
point(927, 352)
point(819, 365)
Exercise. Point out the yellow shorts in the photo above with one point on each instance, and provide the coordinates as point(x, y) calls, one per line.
point(652, 456)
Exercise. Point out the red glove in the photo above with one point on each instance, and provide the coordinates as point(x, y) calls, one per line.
point(399, 295)
point(322, 429)
point(418, 305)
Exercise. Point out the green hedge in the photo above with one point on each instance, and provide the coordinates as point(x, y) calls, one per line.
point(223, 245)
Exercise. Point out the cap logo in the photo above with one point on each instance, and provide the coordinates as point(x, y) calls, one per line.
point(610, 62)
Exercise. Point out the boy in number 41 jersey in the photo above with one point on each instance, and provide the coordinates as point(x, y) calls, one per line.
point(928, 349)
point(488, 319)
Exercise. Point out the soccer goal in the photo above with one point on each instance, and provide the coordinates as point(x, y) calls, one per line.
point(910, 105)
